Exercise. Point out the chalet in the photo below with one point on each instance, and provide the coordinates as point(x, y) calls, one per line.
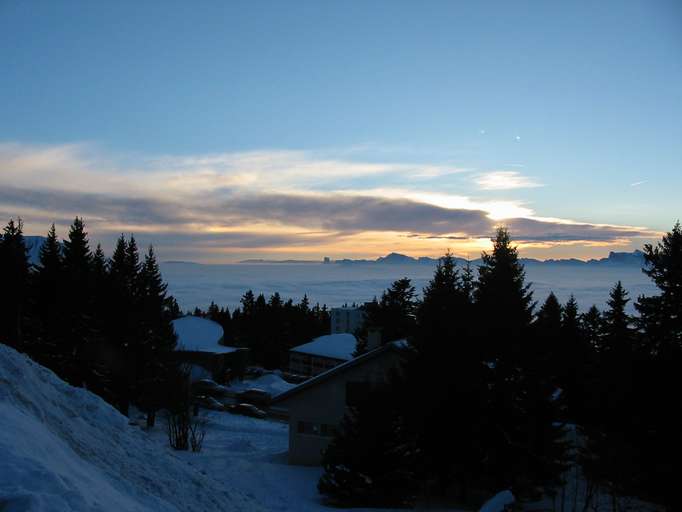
point(321, 354)
point(200, 345)
point(316, 407)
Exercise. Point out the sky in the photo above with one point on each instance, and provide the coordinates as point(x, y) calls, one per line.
point(220, 131)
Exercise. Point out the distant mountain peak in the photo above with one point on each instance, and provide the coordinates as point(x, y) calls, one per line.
point(395, 257)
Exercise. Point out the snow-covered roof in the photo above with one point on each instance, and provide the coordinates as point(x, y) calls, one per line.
point(335, 346)
point(398, 345)
point(196, 334)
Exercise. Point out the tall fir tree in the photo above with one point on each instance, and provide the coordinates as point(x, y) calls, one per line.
point(76, 294)
point(152, 352)
point(661, 315)
point(14, 266)
point(527, 451)
point(617, 324)
point(444, 372)
point(370, 462)
point(503, 299)
point(49, 309)
point(394, 316)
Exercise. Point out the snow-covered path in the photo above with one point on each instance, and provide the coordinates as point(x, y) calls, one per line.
point(250, 454)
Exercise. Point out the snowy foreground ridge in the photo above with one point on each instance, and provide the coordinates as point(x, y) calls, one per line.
point(63, 448)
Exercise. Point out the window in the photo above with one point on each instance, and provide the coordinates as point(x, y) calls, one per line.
point(316, 429)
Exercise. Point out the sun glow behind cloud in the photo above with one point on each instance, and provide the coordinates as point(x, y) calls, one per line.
point(233, 205)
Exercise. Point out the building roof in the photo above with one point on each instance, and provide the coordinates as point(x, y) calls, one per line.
point(397, 345)
point(196, 334)
point(335, 346)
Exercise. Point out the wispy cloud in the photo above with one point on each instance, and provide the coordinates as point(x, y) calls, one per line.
point(267, 202)
point(638, 183)
point(505, 180)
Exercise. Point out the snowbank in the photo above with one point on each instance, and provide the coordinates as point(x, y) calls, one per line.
point(337, 346)
point(64, 448)
point(199, 335)
point(499, 502)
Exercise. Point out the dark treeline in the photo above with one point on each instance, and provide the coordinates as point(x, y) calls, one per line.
point(269, 327)
point(102, 323)
point(498, 393)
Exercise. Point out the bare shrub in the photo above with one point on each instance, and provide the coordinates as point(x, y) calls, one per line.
point(197, 431)
point(185, 429)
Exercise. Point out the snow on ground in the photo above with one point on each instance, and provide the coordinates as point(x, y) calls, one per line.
point(64, 448)
point(498, 502)
point(251, 454)
point(271, 382)
point(199, 335)
point(338, 346)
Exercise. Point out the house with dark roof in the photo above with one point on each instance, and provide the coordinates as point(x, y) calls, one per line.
point(316, 407)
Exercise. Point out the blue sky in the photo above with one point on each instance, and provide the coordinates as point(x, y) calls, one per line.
point(536, 111)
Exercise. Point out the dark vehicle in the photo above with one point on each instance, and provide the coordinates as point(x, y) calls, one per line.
point(254, 371)
point(254, 396)
point(208, 402)
point(207, 387)
point(247, 410)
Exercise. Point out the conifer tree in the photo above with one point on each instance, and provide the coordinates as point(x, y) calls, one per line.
point(49, 309)
point(370, 462)
point(14, 266)
point(575, 362)
point(617, 323)
point(76, 294)
point(503, 299)
point(394, 316)
point(444, 372)
point(526, 444)
point(591, 324)
point(158, 339)
point(99, 265)
point(661, 315)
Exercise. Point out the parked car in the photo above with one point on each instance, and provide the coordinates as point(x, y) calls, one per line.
point(208, 402)
point(254, 396)
point(208, 387)
point(247, 410)
point(254, 371)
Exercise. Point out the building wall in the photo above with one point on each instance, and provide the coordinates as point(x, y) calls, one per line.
point(320, 408)
point(346, 320)
point(307, 364)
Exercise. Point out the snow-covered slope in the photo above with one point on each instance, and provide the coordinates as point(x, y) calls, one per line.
point(63, 448)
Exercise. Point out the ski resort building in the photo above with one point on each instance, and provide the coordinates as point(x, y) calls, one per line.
point(346, 319)
point(316, 407)
point(321, 354)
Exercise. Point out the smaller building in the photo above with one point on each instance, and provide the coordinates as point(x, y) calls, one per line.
point(316, 407)
point(346, 319)
point(200, 345)
point(321, 354)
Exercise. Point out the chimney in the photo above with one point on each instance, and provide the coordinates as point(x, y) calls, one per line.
point(373, 339)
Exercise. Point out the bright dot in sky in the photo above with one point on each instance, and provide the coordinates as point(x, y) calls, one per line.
point(482, 132)
point(517, 138)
